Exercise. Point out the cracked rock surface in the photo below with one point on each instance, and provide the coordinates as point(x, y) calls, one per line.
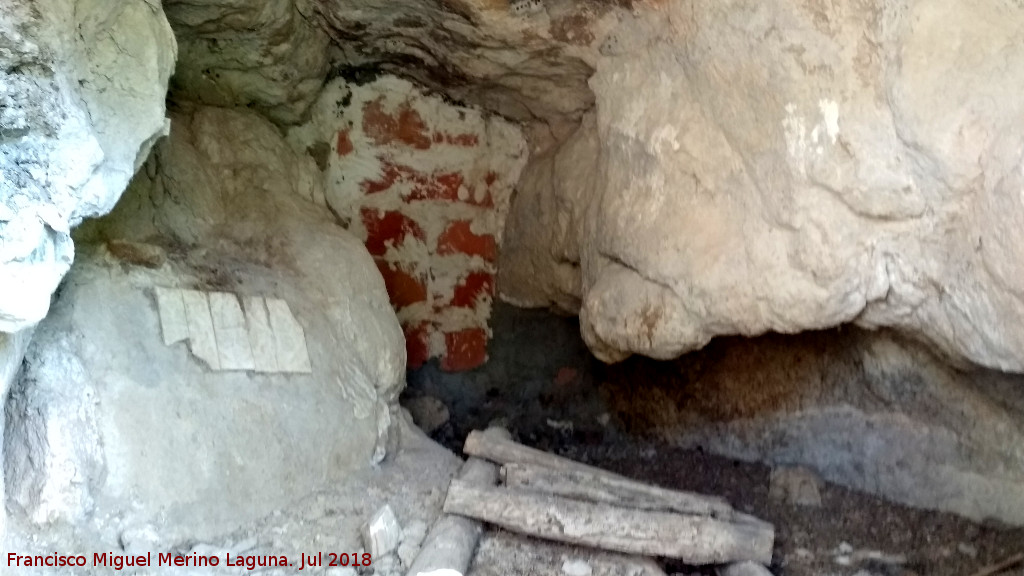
point(783, 166)
point(82, 88)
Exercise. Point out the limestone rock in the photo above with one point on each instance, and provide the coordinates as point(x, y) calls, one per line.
point(82, 89)
point(540, 260)
point(157, 414)
point(381, 533)
point(12, 352)
point(428, 413)
point(528, 65)
point(779, 166)
point(268, 54)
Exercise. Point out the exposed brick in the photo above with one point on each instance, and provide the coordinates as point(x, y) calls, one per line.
point(436, 187)
point(345, 146)
point(404, 287)
point(417, 345)
point(464, 350)
point(390, 174)
point(473, 287)
point(406, 126)
point(458, 238)
point(386, 228)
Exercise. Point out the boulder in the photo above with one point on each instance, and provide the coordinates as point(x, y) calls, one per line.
point(782, 166)
point(220, 349)
point(82, 89)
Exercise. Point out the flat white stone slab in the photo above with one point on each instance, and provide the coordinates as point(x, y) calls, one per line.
point(230, 329)
point(261, 335)
point(289, 339)
point(201, 338)
point(172, 315)
point(264, 336)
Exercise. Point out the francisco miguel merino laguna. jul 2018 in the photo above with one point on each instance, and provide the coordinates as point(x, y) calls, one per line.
point(193, 560)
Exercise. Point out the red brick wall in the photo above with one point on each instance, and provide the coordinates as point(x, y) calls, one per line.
point(426, 184)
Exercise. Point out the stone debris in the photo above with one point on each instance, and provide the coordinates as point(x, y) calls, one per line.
point(797, 486)
point(968, 550)
point(265, 337)
point(382, 533)
point(576, 567)
point(428, 413)
point(412, 539)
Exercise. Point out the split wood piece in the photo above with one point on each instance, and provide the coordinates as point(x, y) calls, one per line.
point(448, 548)
point(573, 479)
point(1002, 566)
point(697, 540)
point(608, 488)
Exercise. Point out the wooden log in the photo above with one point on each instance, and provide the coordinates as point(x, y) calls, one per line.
point(592, 483)
point(449, 546)
point(611, 489)
point(697, 540)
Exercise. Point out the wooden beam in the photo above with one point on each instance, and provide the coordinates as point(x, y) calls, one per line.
point(697, 540)
point(612, 489)
point(604, 486)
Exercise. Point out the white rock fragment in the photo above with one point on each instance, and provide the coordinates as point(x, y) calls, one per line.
point(382, 533)
point(576, 567)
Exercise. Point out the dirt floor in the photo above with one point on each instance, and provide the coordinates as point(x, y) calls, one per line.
point(850, 534)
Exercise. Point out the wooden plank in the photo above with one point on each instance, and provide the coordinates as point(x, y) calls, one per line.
point(452, 541)
point(603, 486)
point(612, 489)
point(697, 540)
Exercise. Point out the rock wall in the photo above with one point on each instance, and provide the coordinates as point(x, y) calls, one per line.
point(785, 166)
point(867, 410)
point(426, 185)
point(12, 352)
point(82, 88)
point(221, 349)
point(526, 60)
point(266, 54)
